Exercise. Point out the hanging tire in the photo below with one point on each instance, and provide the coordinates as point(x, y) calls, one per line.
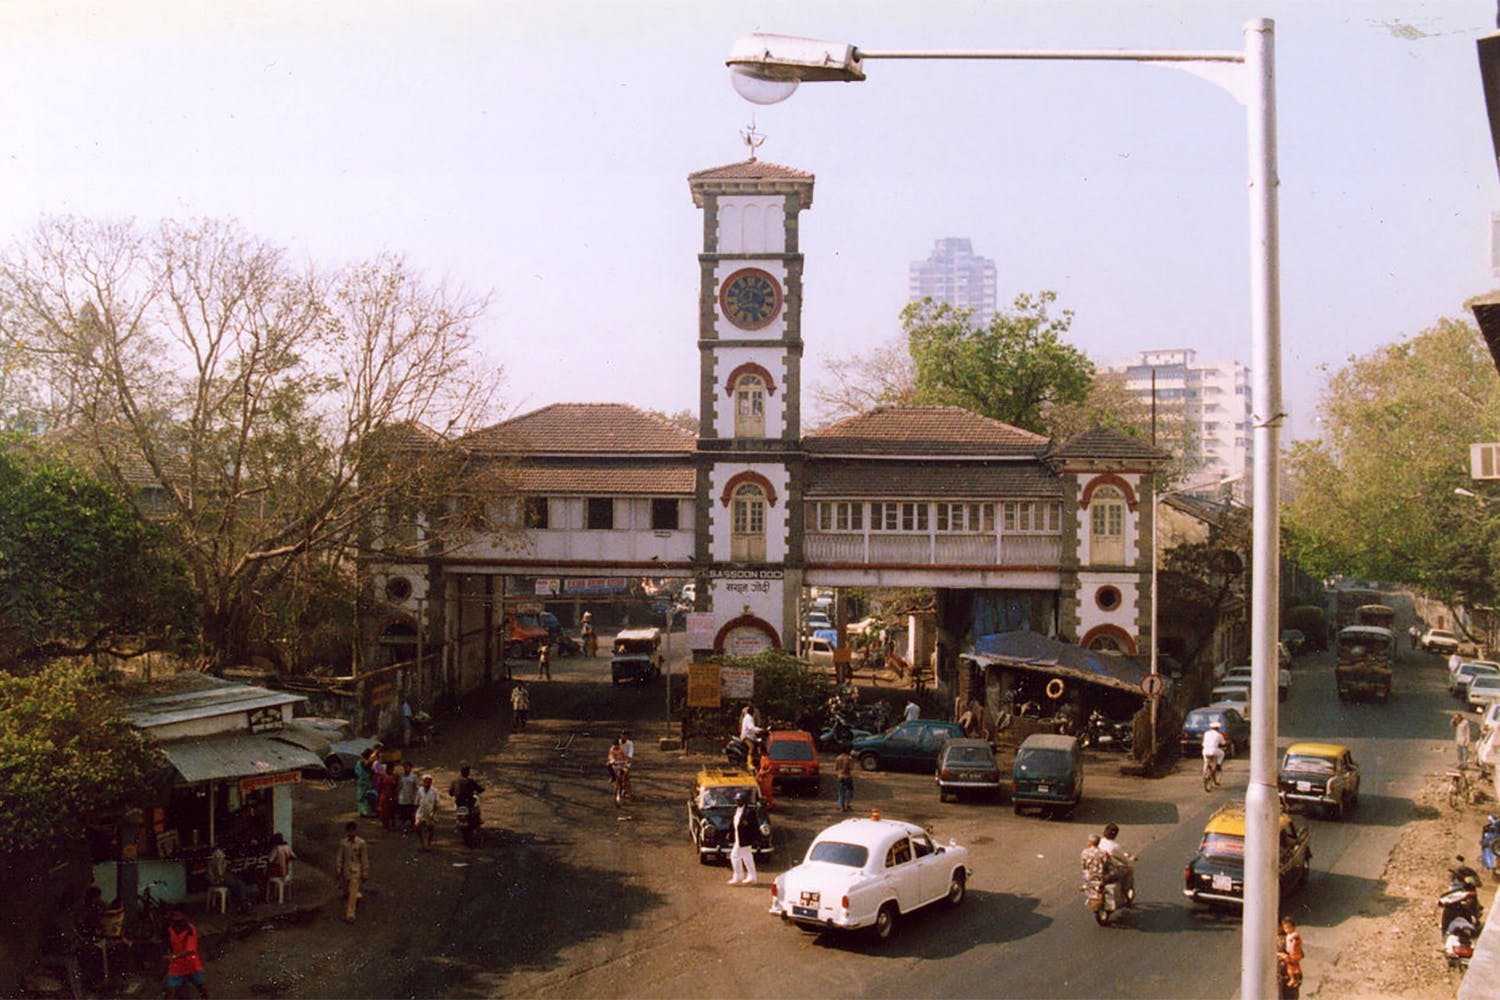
point(1056, 688)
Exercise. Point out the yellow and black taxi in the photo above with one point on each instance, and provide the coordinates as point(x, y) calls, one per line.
point(717, 794)
point(1216, 874)
point(1321, 775)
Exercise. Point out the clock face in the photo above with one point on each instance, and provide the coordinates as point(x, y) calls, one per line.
point(750, 298)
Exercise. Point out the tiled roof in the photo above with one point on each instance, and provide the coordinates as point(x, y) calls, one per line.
point(959, 480)
point(625, 478)
point(750, 170)
point(923, 430)
point(411, 434)
point(1106, 442)
point(584, 429)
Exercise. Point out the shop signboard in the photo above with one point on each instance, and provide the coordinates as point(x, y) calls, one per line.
point(700, 630)
point(265, 720)
point(704, 685)
point(248, 785)
point(737, 682)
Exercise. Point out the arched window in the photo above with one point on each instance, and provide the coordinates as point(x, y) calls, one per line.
point(1107, 537)
point(747, 530)
point(749, 407)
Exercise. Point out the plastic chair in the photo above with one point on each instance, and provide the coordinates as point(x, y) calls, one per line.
point(218, 898)
point(283, 886)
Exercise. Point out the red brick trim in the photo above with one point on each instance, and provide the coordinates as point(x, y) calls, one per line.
point(1108, 479)
point(1114, 632)
point(750, 368)
point(742, 621)
point(747, 476)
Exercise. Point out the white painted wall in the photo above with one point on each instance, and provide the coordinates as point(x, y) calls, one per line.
point(765, 599)
point(777, 515)
point(1084, 521)
point(727, 359)
point(565, 537)
point(1123, 617)
point(752, 224)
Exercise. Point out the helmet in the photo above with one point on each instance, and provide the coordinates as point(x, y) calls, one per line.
point(1216, 724)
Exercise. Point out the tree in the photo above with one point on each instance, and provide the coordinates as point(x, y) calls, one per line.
point(79, 572)
point(861, 382)
point(69, 759)
point(1109, 403)
point(1374, 496)
point(1011, 370)
point(268, 412)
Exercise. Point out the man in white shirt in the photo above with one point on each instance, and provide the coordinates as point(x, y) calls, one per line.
point(913, 711)
point(1213, 745)
point(1125, 861)
point(426, 814)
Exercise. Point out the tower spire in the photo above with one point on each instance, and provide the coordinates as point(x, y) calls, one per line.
point(752, 138)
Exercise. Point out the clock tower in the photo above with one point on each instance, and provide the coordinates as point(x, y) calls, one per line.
point(749, 458)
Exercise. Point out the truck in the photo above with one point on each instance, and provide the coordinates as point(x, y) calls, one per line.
point(522, 633)
point(1366, 654)
point(1347, 605)
point(1378, 615)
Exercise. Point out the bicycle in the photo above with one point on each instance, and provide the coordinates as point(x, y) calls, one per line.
point(1211, 769)
point(1459, 789)
point(620, 776)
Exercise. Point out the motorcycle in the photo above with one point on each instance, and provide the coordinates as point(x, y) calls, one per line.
point(1104, 898)
point(1458, 942)
point(743, 754)
point(423, 729)
point(470, 824)
point(1461, 899)
point(1108, 734)
point(619, 776)
point(1489, 846)
point(566, 645)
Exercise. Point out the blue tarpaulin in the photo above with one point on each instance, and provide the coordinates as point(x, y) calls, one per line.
point(1027, 650)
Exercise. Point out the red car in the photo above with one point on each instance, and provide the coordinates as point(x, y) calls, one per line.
point(794, 760)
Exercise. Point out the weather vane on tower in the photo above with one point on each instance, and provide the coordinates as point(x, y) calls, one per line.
point(752, 138)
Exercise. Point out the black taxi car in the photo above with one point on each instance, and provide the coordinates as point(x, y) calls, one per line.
point(1216, 874)
point(1319, 775)
point(711, 813)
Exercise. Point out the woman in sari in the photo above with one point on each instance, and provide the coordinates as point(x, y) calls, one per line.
point(365, 796)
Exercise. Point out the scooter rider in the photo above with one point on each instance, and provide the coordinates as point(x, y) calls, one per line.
point(1214, 742)
point(466, 792)
point(1125, 862)
point(1098, 865)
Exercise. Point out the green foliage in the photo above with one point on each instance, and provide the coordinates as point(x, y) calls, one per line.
point(78, 571)
point(785, 687)
point(1011, 370)
point(69, 759)
point(1374, 497)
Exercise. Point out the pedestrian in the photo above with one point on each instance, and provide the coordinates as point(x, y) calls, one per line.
point(1454, 662)
point(219, 874)
point(544, 661)
point(1416, 636)
point(389, 785)
point(426, 813)
point(406, 797)
point(406, 721)
point(741, 857)
point(913, 710)
point(365, 796)
point(1289, 959)
point(520, 706)
point(843, 769)
point(1462, 737)
point(184, 965)
point(765, 776)
point(279, 861)
point(352, 865)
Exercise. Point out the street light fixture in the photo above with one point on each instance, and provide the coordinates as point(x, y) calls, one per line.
point(1249, 76)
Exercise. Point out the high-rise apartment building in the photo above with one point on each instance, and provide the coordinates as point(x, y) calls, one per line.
point(1211, 397)
point(952, 274)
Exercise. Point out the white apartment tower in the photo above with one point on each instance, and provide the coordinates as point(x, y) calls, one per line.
point(1212, 397)
point(952, 274)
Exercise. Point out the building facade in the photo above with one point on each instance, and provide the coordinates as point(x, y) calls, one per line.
point(1213, 399)
point(952, 273)
point(1012, 530)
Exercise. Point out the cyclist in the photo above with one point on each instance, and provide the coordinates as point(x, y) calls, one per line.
point(1213, 750)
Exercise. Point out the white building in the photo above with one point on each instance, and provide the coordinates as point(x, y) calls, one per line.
point(1212, 397)
point(953, 274)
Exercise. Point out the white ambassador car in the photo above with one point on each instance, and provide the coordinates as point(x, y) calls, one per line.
point(867, 873)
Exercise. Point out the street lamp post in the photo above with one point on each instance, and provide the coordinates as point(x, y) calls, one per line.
point(1156, 499)
point(766, 69)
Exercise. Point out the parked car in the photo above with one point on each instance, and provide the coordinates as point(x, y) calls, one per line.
point(1216, 873)
point(1048, 774)
point(966, 765)
point(346, 747)
point(1236, 729)
point(1482, 690)
point(910, 745)
point(1458, 680)
point(1320, 774)
point(1439, 640)
point(814, 620)
point(1237, 675)
point(1491, 718)
point(869, 873)
point(711, 813)
point(1236, 696)
point(1483, 663)
point(794, 760)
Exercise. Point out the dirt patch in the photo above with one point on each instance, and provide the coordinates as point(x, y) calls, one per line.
point(1396, 951)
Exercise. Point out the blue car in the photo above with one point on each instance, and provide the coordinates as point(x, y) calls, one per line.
point(1235, 726)
point(908, 746)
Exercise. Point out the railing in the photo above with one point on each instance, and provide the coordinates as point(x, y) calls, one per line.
point(926, 550)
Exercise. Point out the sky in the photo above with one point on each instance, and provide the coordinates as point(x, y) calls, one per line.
point(537, 153)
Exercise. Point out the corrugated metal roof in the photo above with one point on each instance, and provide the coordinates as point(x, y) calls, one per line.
point(235, 755)
point(165, 708)
point(1026, 650)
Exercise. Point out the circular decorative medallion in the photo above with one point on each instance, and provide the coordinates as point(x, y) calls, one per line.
point(750, 298)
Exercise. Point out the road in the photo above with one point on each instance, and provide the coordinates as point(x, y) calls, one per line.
point(573, 897)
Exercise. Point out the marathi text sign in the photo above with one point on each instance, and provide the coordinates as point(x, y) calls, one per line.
point(704, 685)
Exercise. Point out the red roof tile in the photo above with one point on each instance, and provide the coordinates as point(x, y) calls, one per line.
point(584, 429)
point(626, 479)
point(1107, 443)
point(750, 170)
point(919, 430)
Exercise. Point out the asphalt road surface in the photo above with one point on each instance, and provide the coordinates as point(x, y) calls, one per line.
point(573, 897)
